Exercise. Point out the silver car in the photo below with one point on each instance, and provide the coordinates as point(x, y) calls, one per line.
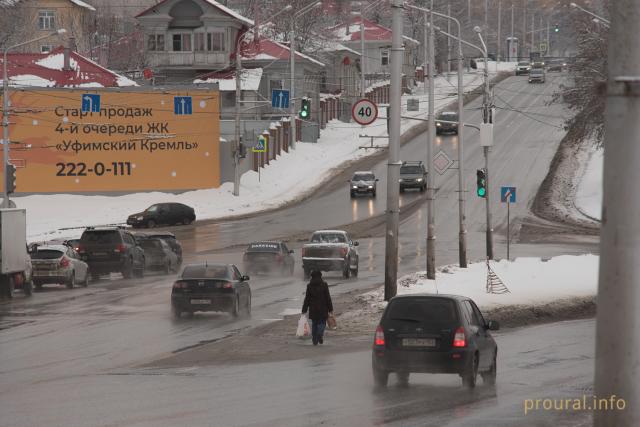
point(363, 182)
point(58, 264)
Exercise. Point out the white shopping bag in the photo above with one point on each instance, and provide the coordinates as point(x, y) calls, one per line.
point(303, 327)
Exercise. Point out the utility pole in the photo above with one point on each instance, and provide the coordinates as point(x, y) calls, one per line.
point(548, 40)
point(431, 136)
point(499, 29)
point(469, 11)
point(425, 72)
point(512, 34)
point(363, 90)
point(533, 33)
point(236, 144)
point(617, 371)
point(524, 27)
point(486, 14)
point(448, 40)
point(292, 87)
point(393, 167)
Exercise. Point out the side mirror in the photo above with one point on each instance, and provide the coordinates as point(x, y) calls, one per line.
point(356, 244)
point(245, 278)
point(492, 325)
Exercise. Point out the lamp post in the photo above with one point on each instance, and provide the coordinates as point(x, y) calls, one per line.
point(606, 22)
point(236, 148)
point(292, 55)
point(462, 192)
point(5, 110)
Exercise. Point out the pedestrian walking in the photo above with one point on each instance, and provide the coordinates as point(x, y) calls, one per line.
point(318, 301)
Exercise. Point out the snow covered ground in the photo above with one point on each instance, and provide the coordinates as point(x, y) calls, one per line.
point(531, 281)
point(589, 194)
point(284, 180)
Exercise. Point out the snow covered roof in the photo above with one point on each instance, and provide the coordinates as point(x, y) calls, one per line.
point(83, 4)
point(46, 70)
point(250, 80)
point(9, 3)
point(222, 8)
point(269, 50)
point(372, 32)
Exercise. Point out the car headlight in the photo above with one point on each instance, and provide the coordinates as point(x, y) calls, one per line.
point(354, 187)
point(401, 180)
point(419, 179)
point(438, 124)
point(370, 187)
point(139, 218)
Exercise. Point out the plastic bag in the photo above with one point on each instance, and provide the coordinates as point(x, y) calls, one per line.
point(303, 327)
point(331, 322)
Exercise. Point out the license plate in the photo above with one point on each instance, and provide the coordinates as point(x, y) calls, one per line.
point(418, 342)
point(99, 253)
point(200, 301)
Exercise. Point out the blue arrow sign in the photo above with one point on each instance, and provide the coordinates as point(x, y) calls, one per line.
point(280, 98)
point(182, 105)
point(508, 194)
point(90, 103)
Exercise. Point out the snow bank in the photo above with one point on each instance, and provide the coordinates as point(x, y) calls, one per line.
point(531, 281)
point(589, 194)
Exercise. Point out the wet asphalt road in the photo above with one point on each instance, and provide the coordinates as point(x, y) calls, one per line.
point(66, 354)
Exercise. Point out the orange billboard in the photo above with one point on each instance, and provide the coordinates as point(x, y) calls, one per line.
point(114, 140)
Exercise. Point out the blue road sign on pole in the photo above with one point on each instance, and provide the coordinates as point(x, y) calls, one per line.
point(90, 103)
point(279, 98)
point(182, 105)
point(508, 194)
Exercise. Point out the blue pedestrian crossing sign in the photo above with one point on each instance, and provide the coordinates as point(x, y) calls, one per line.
point(182, 105)
point(90, 103)
point(508, 194)
point(279, 98)
point(261, 146)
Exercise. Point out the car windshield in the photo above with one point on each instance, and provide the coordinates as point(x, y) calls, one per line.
point(100, 236)
point(264, 247)
point(363, 177)
point(422, 310)
point(523, 63)
point(449, 116)
point(537, 71)
point(408, 170)
point(206, 272)
point(46, 254)
point(328, 238)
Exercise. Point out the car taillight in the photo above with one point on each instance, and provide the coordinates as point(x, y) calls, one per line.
point(459, 339)
point(379, 339)
point(180, 285)
point(80, 249)
point(120, 248)
point(64, 262)
point(344, 251)
point(227, 285)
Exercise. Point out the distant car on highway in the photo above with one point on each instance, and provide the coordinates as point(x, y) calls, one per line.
point(163, 214)
point(555, 65)
point(434, 334)
point(211, 287)
point(363, 182)
point(523, 67)
point(442, 124)
point(536, 75)
point(536, 64)
point(158, 255)
point(330, 250)
point(168, 237)
point(59, 264)
point(111, 250)
point(268, 257)
point(413, 175)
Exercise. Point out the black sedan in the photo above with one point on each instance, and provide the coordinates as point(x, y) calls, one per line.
point(163, 214)
point(211, 287)
point(436, 334)
point(268, 257)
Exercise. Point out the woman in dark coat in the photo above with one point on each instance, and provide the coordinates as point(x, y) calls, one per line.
point(318, 301)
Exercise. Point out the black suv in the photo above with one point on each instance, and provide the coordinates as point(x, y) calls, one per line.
point(435, 334)
point(163, 214)
point(413, 175)
point(111, 250)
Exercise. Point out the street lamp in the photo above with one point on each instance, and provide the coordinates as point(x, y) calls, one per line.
point(236, 151)
point(5, 110)
point(292, 55)
point(606, 22)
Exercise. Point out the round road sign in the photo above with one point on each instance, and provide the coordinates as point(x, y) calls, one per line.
point(364, 112)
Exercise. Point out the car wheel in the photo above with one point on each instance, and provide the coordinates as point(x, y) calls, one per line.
point(85, 282)
point(72, 280)
point(380, 377)
point(373, 193)
point(469, 378)
point(248, 306)
point(235, 311)
point(403, 378)
point(489, 377)
point(176, 312)
point(127, 270)
point(422, 189)
point(401, 189)
point(7, 287)
point(28, 288)
point(186, 221)
point(354, 271)
point(346, 272)
point(38, 286)
point(353, 195)
point(151, 223)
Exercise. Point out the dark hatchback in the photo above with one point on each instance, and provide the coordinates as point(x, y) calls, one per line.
point(268, 257)
point(436, 334)
point(163, 214)
point(168, 237)
point(443, 124)
point(211, 287)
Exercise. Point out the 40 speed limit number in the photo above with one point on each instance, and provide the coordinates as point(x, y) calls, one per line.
point(364, 112)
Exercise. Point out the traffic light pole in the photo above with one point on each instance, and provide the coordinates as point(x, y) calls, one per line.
point(431, 136)
point(292, 89)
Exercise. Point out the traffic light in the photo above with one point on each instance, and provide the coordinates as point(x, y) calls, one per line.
point(556, 28)
point(10, 177)
point(481, 174)
point(305, 109)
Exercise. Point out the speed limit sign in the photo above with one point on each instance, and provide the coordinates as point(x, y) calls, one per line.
point(364, 112)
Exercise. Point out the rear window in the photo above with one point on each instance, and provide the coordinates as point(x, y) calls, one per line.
point(264, 247)
point(47, 254)
point(101, 236)
point(206, 272)
point(423, 310)
point(410, 170)
point(328, 238)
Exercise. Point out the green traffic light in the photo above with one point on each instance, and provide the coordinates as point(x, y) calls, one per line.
point(482, 192)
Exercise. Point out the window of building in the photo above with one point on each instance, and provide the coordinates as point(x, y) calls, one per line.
point(46, 48)
point(385, 57)
point(198, 42)
point(228, 99)
point(46, 20)
point(215, 42)
point(182, 42)
point(155, 42)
